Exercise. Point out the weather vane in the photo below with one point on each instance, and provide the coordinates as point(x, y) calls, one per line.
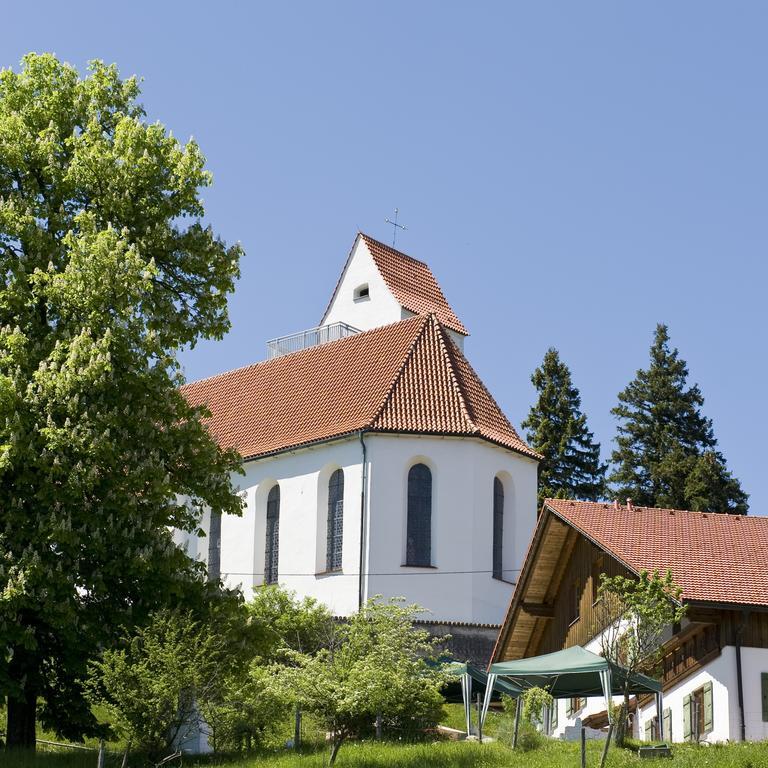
point(395, 227)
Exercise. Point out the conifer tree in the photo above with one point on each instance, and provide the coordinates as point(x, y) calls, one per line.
point(557, 429)
point(666, 452)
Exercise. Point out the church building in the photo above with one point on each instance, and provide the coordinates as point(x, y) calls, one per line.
point(376, 461)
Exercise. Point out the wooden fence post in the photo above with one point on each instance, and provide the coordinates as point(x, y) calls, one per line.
point(518, 707)
point(583, 747)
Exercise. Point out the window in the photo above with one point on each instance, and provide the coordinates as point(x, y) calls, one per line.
point(335, 521)
point(574, 704)
point(698, 713)
point(652, 729)
point(553, 716)
point(667, 718)
point(214, 547)
point(575, 602)
point(498, 528)
point(271, 550)
point(419, 527)
point(361, 293)
point(764, 693)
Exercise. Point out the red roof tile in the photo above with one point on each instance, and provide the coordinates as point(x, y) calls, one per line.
point(412, 284)
point(713, 557)
point(408, 377)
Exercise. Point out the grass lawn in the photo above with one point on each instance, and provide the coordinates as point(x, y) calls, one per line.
point(438, 754)
point(435, 755)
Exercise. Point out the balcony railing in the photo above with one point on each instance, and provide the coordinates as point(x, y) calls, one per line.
point(294, 342)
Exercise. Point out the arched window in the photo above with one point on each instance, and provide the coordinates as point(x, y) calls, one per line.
point(335, 521)
point(419, 534)
point(273, 535)
point(498, 528)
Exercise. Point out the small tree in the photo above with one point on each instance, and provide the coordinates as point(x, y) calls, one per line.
point(249, 705)
point(376, 664)
point(557, 429)
point(156, 686)
point(635, 614)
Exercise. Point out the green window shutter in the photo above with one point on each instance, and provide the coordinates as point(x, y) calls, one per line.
point(687, 718)
point(708, 714)
point(568, 707)
point(555, 707)
point(764, 689)
point(667, 716)
point(648, 730)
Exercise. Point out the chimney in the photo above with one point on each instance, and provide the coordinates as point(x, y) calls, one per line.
point(629, 505)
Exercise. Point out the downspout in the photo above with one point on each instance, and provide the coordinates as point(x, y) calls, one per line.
point(364, 483)
point(739, 681)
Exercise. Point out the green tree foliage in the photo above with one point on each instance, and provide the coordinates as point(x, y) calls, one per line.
point(288, 624)
point(666, 452)
point(557, 429)
point(151, 688)
point(635, 612)
point(106, 271)
point(376, 664)
point(246, 706)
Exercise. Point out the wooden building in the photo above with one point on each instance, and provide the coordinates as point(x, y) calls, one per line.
point(714, 664)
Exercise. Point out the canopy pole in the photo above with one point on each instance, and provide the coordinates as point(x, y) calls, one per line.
point(489, 683)
point(605, 681)
point(466, 694)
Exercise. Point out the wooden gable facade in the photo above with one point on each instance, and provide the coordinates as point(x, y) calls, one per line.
point(555, 606)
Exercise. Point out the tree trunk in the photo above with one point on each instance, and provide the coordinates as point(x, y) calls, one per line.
point(22, 719)
point(621, 722)
point(335, 747)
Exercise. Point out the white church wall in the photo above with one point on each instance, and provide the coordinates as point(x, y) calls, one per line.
point(195, 546)
point(302, 530)
point(380, 308)
point(459, 586)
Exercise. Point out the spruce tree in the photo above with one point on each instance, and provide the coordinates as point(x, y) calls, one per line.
point(666, 452)
point(557, 429)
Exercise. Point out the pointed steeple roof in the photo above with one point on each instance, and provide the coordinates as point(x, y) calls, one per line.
point(410, 281)
point(408, 377)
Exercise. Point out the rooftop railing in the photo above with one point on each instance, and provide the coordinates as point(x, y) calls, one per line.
point(294, 342)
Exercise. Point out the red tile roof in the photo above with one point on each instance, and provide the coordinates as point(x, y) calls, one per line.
point(412, 284)
point(408, 377)
point(714, 557)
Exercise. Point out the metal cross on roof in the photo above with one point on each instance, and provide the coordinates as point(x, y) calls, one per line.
point(395, 227)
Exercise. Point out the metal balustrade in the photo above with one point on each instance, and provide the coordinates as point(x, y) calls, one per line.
point(294, 342)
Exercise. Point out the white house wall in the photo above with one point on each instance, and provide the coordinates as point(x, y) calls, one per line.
point(380, 308)
point(721, 672)
point(754, 661)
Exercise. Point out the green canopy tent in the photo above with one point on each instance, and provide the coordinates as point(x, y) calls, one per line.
point(469, 677)
point(573, 672)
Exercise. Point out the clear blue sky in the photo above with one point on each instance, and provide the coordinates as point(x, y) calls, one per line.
point(574, 173)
